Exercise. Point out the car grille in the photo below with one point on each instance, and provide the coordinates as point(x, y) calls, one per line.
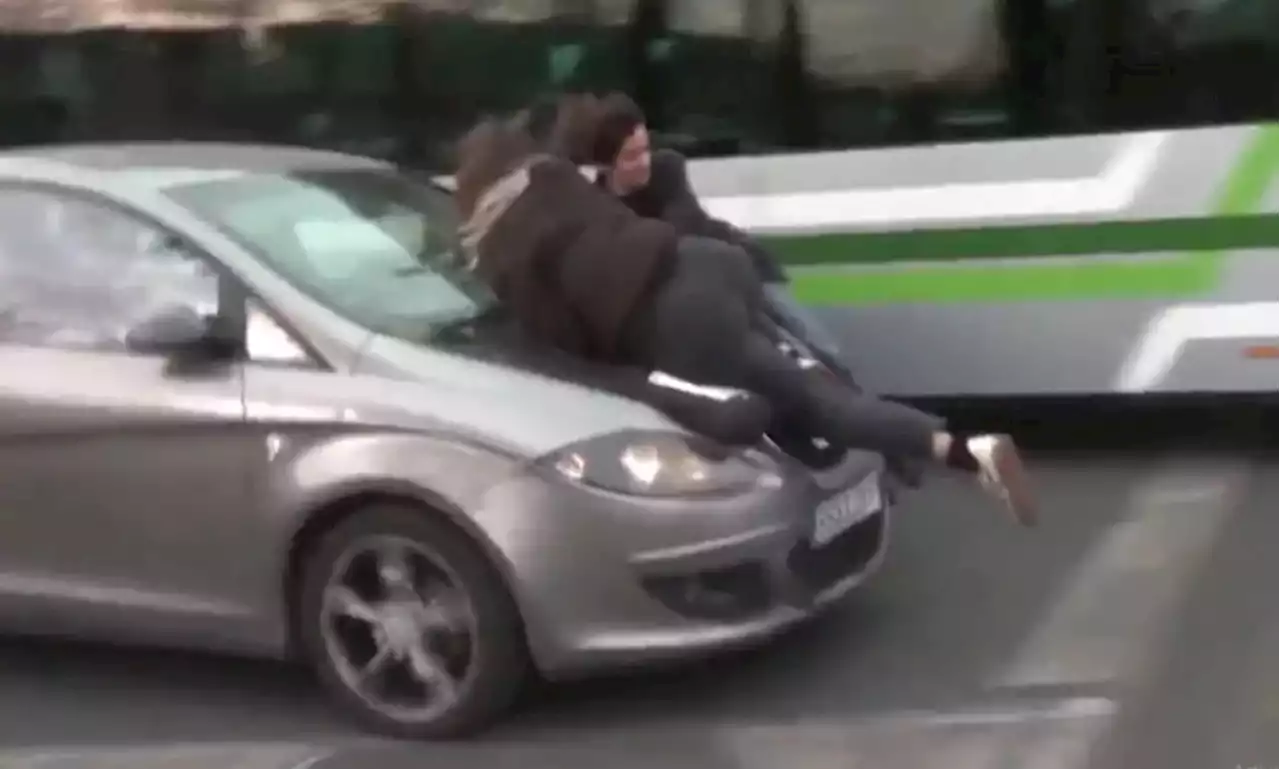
point(847, 554)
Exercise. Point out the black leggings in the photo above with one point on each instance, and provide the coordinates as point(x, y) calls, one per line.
point(706, 323)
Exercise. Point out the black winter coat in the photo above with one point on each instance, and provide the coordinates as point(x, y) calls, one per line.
point(670, 198)
point(573, 263)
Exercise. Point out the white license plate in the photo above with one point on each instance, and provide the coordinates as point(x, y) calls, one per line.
point(848, 508)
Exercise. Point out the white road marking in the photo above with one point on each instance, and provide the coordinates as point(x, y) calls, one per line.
point(314, 761)
point(1113, 608)
point(1054, 736)
point(172, 756)
point(1154, 356)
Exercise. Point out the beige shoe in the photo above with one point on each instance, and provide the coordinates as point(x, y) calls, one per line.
point(1002, 473)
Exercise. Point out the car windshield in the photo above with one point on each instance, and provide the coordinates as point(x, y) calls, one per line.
point(374, 246)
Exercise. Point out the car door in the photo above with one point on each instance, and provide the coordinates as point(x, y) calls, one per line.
point(115, 467)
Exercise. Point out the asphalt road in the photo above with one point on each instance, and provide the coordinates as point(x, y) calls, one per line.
point(1135, 629)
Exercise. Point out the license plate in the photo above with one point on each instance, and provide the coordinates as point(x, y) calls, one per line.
point(848, 508)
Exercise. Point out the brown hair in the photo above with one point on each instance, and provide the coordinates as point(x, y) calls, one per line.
point(579, 127)
point(582, 127)
point(489, 151)
point(617, 117)
point(576, 122)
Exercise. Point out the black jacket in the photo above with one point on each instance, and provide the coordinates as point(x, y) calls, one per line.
point(573, 263)
point(670, 198)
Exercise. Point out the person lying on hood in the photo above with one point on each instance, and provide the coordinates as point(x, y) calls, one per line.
point(611, 135)
point(655, 183)
point(584, 273)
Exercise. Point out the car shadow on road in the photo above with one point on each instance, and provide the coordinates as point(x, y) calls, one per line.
point(55, 692)
point(58, 692)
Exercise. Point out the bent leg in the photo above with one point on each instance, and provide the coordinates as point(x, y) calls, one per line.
point(703, 327)
point(829, 409)
point(700, 328)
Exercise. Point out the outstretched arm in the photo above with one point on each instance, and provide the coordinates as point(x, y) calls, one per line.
point(682, 209)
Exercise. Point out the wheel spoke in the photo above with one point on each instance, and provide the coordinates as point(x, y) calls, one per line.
point(377, 663)
point(395, 571)
point(344, 602)
point(445, 608)
point(431, 671)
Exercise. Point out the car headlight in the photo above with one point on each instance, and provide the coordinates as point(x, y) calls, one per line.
point(661, 464)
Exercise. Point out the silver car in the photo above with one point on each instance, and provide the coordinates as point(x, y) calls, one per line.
point(247, 405)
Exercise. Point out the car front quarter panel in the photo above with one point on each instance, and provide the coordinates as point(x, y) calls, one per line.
point(566, 544)
point(446, 474)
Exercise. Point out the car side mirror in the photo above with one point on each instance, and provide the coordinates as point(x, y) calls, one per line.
point(179, 331)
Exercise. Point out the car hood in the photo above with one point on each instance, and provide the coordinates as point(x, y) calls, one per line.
point(491, 400)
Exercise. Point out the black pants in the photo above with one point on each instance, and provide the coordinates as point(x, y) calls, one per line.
point(706, 323)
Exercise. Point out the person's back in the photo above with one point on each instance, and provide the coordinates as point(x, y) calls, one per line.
point(571, 262)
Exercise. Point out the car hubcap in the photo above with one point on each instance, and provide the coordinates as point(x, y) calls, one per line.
point(398, 628)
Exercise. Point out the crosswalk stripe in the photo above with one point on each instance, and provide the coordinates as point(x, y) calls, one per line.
point(1055, 737)
point(1111, 610)
point(173, 756)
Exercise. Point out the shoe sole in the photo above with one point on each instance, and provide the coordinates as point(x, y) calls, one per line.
point(1012, 475)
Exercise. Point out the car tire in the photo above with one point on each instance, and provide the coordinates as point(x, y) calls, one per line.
point(499, 661)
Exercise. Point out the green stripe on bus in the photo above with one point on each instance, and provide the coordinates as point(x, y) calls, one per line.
point(1253, 174)
point(1202, 244)
point(1033, 280)
point(1216, 233)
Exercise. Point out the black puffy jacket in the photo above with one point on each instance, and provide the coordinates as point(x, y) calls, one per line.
point(670, 197)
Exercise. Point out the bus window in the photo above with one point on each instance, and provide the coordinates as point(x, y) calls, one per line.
point(775, 76)
point(740, 77)
point(715, 77)
point(701, 78)
point(1186, 63)
point(453, 68)
point(886, 73)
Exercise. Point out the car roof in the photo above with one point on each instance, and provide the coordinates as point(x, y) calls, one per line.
point(160, 164)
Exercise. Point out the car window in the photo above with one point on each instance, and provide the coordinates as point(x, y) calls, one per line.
point(267, 342)
point(374, 246)
point(78, 273)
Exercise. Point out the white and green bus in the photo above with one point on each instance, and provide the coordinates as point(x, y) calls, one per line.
point(981, 197)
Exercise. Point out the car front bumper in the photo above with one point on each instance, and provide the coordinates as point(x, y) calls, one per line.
point(604, 580)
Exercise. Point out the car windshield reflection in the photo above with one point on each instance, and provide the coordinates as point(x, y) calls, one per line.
point(372, 245)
